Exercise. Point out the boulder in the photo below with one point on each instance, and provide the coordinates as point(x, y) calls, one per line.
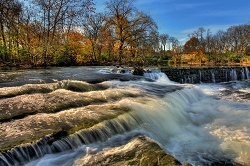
point(139, 151)
point(138, 71)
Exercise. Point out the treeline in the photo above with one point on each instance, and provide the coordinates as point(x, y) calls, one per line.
point(71, 32)
point(224, 47)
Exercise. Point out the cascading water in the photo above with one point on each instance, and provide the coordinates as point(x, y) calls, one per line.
point(213, 77)
point(201, 124)
point(156, 75)
point(247, 73)
point(233, 75)
point(242, 74)
point(200, 76)
point(100, 132)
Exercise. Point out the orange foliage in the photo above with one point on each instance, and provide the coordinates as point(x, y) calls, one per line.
point(75, 37)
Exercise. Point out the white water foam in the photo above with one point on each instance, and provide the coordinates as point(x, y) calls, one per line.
point(191, 125)
point(68, 157)
point(115, 70)
point(194, 126)
point(159, 77)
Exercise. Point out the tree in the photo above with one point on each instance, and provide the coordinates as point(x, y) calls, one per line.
point(94, 27)
point(200, 32)
point(176, 49)
point(130, 26)
point(9, 14)
point(58, 16)
point(191, 45)
point(208, 44)
point(143, 28)
point(120, 12)
point(163, 39)
point(239, 37)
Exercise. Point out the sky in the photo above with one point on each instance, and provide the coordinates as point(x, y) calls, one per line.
point(178, 18)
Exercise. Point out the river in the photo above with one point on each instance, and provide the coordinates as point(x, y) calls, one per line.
point(60, 115)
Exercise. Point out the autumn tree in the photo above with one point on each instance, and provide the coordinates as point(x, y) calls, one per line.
point(94, 31)
point(143, 28)
point(131, 26)
point(120, 11)
point(30, 37)
point(71, 52)
point(9, 14)
point(57, 16)
point(191, 45)
point(109, 42)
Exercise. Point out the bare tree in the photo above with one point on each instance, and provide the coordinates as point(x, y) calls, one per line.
point(163, 39)
point(176, 49)
point(200, 32)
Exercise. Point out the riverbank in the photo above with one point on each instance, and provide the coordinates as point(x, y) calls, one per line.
point(135, 65)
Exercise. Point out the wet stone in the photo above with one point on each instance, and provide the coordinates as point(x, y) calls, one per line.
point(139, 151)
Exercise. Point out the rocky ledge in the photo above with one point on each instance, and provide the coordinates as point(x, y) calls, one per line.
point(140, 151)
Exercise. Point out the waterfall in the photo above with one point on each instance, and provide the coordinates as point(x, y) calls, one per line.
point(178, 117)
point(202, 124)
point(172, 120)
point(200, 76)
point(167, 117)
point(157, 76)
point(233, 75)
point(189, 80)
point(242, 74)
point(247, 73)
point(225, 75)
point(213, 76)
point(47, 145)
point(163, 118)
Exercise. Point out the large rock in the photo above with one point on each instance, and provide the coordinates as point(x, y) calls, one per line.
point(138, 71)
point(140, 151)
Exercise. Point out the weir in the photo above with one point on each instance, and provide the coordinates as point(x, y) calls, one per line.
point(206, 74)
point(101, 132)
point(194, 123)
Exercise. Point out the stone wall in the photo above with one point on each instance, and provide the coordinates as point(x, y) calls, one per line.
point(206, 74)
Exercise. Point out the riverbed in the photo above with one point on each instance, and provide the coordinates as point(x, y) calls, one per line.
point(61, 116)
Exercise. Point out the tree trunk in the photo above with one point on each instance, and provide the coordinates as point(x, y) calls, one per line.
point(3, 55)
point(120, 52)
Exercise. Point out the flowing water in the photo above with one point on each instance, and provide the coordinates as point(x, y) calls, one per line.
point(56, 116)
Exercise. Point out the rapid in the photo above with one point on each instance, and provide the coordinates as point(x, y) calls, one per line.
point(61, 116)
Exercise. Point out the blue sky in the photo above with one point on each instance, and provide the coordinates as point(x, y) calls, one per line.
point(179, 18)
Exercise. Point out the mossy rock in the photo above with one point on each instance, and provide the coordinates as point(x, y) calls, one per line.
point(141, 151)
